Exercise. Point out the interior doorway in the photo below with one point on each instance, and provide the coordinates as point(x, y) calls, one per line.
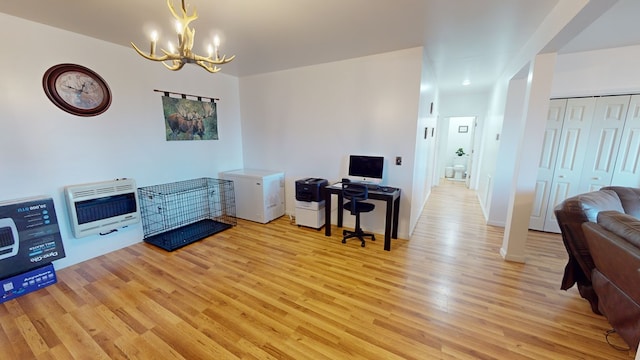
point(455, 148)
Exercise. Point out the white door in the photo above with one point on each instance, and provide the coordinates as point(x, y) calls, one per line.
point(571, 154)
point(547, 162)
point(604, 141)
point(470, 169)
point(627, 169)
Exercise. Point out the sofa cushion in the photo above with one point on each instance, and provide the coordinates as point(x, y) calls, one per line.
point(589, 204)
point(629, 197)
point(623, 225)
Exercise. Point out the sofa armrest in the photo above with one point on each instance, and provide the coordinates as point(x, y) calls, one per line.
point(615, 257)
point(570, 214)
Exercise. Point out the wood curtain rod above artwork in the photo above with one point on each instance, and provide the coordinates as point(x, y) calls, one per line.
point(184, 96)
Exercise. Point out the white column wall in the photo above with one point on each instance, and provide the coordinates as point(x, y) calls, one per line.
point(566, 19)
point(509, 138)
point(531, 135)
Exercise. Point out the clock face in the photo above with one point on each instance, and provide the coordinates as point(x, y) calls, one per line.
point(76, 89)
point(79, 90)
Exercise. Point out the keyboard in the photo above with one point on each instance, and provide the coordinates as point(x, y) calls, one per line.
point(370, 187)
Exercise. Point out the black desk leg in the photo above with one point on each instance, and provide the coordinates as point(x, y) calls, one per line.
point(327, 214)
point(387, 225)
point(396, 215)
point(340, 209)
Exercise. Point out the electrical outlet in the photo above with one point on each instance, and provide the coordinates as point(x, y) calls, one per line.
point(398, 160)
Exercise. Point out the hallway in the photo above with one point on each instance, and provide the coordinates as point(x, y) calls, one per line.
point(498, 302)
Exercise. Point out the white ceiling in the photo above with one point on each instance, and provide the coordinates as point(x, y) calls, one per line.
point(464, 38)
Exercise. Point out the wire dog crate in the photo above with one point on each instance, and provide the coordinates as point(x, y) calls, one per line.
point(177, 214)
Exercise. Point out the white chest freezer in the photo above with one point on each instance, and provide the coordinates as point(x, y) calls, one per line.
point(259, 193)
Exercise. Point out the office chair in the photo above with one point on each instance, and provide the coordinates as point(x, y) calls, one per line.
point(356, 194)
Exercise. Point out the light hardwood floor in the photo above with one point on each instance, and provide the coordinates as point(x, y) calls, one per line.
point(277, 291)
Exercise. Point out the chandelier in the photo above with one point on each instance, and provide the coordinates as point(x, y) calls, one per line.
point(174, 59)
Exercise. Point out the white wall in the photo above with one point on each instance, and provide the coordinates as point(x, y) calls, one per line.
point(306, 121)
point(43, 149)
point(425, 140)
point(601, 72)
point(506, 158)
point(488, 152)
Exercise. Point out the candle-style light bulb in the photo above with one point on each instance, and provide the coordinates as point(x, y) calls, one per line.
point(171, 48)
point(154, 39)
point(179, 31)
point(216, 44)
point(210, 50)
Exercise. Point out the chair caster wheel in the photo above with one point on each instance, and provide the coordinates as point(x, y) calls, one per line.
point(344, 241)
point(373, 238)
point(362, 244)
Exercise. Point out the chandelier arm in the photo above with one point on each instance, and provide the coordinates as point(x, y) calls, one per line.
point(148, 57)
point(209, 68)
point(177, 65)
point(224, 61)
point(209, 60)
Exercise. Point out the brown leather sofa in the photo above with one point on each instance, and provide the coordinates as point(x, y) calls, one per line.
point(604, 254)
point(614, 244)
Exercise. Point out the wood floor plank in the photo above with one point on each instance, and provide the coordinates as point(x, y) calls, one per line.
point(279, 291)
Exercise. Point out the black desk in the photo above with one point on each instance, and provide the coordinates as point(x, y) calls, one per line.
point(391, 197)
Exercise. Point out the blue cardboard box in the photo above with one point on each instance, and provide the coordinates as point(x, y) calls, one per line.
point(27, 282)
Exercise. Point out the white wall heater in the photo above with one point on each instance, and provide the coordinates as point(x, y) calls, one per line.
point(102, 207)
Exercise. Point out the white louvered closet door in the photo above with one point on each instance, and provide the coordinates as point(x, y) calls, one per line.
point(627, 169)
point(572, 149)
point(599, 146)
point(604, 142)
point(547, 162)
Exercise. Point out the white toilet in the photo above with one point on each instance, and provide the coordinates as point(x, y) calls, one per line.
point(448, 172)
point(458, 171)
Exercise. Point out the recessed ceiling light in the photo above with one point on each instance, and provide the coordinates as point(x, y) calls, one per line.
point(466, 83)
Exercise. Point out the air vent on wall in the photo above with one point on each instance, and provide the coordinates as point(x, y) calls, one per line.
point(102, 207)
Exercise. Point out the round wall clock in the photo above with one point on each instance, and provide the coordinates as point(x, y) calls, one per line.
point(76, 89)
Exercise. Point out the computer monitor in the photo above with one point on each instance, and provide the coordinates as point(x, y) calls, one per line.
point(366, 168)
